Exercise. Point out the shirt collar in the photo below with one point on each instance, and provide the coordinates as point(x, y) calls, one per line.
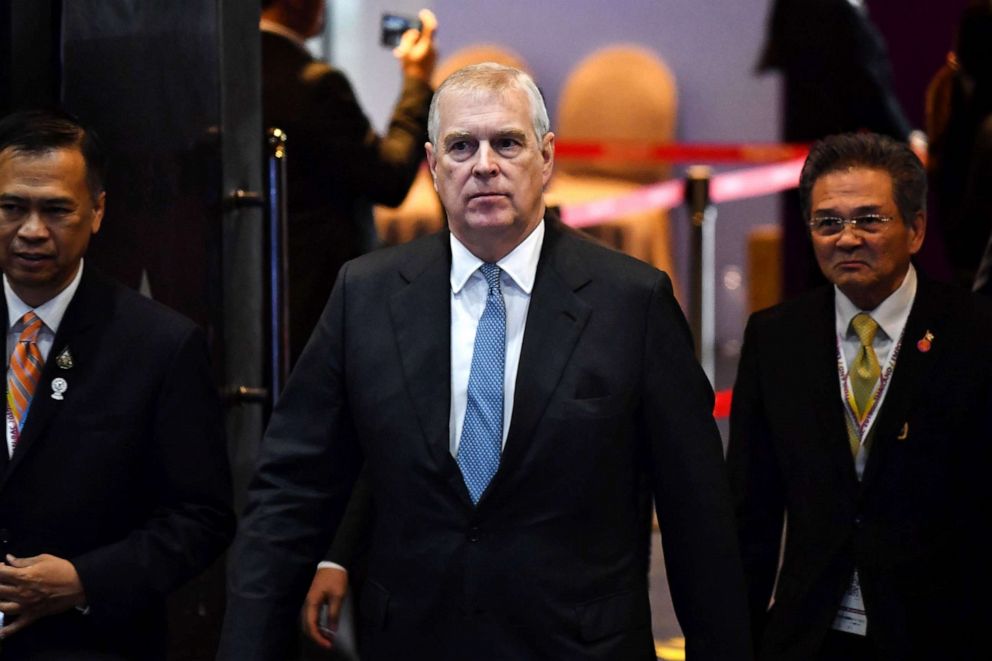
point(50, 312)
point(266, 25)
point(891, 314)
point(520, 264)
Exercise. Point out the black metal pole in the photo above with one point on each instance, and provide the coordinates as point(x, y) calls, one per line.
point(702, 215)
point(278, 312)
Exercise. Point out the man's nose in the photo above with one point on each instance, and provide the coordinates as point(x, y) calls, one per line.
point(33, 227)
point(849, 237)
point(486, 164)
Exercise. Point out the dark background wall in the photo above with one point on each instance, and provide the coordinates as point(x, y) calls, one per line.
point(919, 33)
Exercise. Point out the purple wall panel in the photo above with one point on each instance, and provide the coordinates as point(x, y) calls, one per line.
point(919, 34)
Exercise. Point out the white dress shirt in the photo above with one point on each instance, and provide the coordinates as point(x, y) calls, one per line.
point(468, 299)
point(891, 316)
point(50, 312)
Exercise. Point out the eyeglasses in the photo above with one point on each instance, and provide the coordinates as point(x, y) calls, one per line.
point(869, 223)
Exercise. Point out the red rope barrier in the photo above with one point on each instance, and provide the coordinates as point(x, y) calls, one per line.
point(628, 151)
point(724, 187)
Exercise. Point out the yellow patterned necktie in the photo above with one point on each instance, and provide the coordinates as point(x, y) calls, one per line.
point(864, 370)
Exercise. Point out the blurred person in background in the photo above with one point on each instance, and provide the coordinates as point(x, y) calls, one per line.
point(338, 166)
point(837, 78)
point(959, 123)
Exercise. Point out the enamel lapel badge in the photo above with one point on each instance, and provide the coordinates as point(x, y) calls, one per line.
point(64, 359)
point(59, 386)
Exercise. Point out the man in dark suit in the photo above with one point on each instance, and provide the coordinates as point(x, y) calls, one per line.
point(114, 483)
point(516, 394)
point(338, 167)
point(861, 430)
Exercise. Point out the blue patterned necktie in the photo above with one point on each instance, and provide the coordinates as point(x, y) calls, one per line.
point(482, 433)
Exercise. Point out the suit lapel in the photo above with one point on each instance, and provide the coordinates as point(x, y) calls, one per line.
point(555, 319)
point(421, 318)
point(910, 376)
point(86, 307)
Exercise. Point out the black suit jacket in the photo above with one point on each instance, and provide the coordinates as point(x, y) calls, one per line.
point(915, 527)
point(338, 167)
point(126, 476)
point(610, 408)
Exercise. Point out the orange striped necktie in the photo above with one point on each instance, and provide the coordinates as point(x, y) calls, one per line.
point(25, 371)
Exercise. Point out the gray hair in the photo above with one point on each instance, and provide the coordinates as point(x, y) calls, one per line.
point(490, 77)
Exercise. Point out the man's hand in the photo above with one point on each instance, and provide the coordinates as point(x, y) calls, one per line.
point(31, 588)
point(416, 51)
point(329, 586)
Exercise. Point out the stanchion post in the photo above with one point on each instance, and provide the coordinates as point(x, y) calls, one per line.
point(702, 284)
point(278, 280)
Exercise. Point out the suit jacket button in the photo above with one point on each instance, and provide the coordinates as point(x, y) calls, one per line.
point(858, 520)
point(473, 534)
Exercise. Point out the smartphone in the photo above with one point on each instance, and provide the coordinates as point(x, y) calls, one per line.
point(393, 27)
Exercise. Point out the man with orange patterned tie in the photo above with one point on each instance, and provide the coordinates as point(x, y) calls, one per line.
point(861, 430)
point(114, 484)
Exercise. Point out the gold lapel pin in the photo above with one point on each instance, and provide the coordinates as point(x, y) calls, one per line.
point(925, 342)
point(904, 432)
point(64, 359)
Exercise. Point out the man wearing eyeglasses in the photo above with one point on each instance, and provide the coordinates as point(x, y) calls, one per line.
point(861, 432)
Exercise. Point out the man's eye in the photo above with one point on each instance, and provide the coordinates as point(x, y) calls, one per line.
point(9, 208)
point(507, 145)
point(829, 223)
point(459, 146)
point(868, 222)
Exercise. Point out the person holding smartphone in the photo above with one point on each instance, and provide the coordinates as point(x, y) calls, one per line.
point(338, 166)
